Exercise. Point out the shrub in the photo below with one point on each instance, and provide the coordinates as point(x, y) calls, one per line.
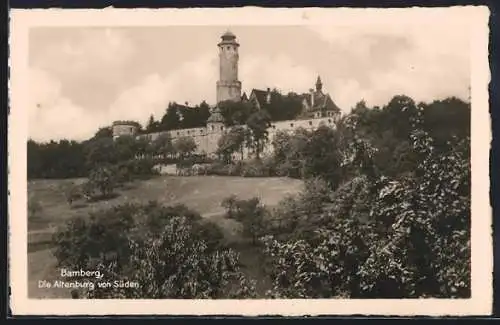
point(250, 213)
point(169, 251)
point(103, 179)
point(84, 191)
point(380, 237)
point(255, 168)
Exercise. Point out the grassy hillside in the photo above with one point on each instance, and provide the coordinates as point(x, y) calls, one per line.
point(201, 193)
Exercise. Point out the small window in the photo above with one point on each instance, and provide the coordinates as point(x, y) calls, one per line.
point(310, 123)
point(291, 125)
point(177, 132)
point(329, 120)
point(228, 48)
point(221, 128)
point(188, 131)
point(212, 127)
point(274, 126)
point(201, 131)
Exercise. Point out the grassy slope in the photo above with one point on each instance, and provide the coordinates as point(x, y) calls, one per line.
point(201, 193)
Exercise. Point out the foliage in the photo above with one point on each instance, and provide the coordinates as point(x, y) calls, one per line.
point(78, 192)
point(231, 142)
point(168, 251)
point(162, 145)
point(103, 179)
point(184, 146)
point(258, 167)
point(63, 159)
point(407, 235)
point(251, 213)
point(258, 124)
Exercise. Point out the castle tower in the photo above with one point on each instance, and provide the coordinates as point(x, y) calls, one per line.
point(228, 86)
point(319, 85)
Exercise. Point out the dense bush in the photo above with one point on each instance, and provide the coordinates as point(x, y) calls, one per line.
point(251, 213)
point(169, 251)
point(379, 236)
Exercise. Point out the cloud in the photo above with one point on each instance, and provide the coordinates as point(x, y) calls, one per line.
point(195, 81)
point(88, 78)
point(53, 116)
point(406, 60)
point(85, 51)
point(191, 82)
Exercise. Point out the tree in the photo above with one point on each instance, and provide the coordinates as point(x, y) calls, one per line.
point(171, 119)
point(404, 236)
point(170, 252)
point(62, 159)
point(184, 146)
point(322, 156)
point(258, 123)
point(104, 132)
point(103, 178)
point(126, 148)
point(100, 151)
point(162, 145)
point(284, 107)
point(152, 125)
point(235, 113)
point(232, 142)
point(250, 213)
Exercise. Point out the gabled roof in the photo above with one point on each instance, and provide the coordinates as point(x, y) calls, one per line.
point(321, 101)
point(261, 96)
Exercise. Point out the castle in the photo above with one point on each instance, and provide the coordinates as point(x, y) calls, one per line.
point(317, 107)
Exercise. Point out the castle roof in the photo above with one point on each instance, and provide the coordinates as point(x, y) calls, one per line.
point(228, 38)
point(261, 96)
point(228, 35)
point(321, 102)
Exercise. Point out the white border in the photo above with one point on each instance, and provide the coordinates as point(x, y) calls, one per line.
point(482, 251)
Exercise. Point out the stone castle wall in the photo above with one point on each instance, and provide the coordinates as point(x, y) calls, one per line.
point(206, 138)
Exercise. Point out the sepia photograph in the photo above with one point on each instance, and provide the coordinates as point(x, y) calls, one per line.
point(311, 158)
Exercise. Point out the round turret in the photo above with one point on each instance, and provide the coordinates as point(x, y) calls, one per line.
point(125, 128)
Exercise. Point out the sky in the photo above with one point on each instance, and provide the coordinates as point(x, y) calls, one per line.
point(85, 78)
